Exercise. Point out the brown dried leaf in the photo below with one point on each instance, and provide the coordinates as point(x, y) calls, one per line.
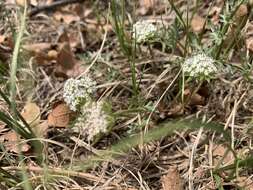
point(22, 2)
point(2, 38)
point(43, 59)
point(172, 181)
point(249, 44)
point(31, 113)
point(176, 110)
point(218, 154)
point(65, 59)
point(72, 38)
point(11, 140)
point(63, 36)
point(241, 11)
point(34, 2)
point(60, 116)
point(245, 183)
point(195, 99)
point(52, 54)
point(78, 68)
point(197, 24)
point(147, 3)
point(146, 6)
point(67, 64)
point(41, 129)
point(37, 47)
point(40, 51)
point(79, 10)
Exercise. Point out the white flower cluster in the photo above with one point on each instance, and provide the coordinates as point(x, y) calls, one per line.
point(199, 65)
point(77, 92)
point(93, 120)
point(143, 31)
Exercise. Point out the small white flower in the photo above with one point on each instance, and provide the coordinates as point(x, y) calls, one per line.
point(93, 120)
point(199, 66)
point(77, 92)
point(143, 31)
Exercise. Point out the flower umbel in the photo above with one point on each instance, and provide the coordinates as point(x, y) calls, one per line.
point(77, 92)
point(93, 120)
point(143, 31)
point(199, 66)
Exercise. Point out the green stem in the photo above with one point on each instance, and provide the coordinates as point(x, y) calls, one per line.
point(133, 72)
point(224, 31)
point(181, 91)
point(178, 14)
point(14, 62)
point(129, 111)
point(38, 147)
point(233, 42)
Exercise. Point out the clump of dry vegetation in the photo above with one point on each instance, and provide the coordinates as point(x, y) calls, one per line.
point(127, 95)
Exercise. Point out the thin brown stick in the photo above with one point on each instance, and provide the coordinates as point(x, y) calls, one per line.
point(53, 5)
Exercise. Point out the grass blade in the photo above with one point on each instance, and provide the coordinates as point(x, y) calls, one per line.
point(9, 176)
point(16, 112)
point(164, 129)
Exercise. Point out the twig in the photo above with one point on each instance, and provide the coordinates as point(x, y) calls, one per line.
point(191, 167)
point(161, 97)
point(53, 5)
point(81, 143)
point(99, 51)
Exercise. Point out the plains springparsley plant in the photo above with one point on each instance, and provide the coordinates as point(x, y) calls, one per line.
point(78, 92)
point(95, 119)
point(144, 31)
point(199, 66)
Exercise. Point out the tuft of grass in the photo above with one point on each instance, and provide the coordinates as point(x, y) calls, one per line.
point(15, 121)
point(128, 48)
point(230, 9)
point(118, 20)
point(22, 128)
